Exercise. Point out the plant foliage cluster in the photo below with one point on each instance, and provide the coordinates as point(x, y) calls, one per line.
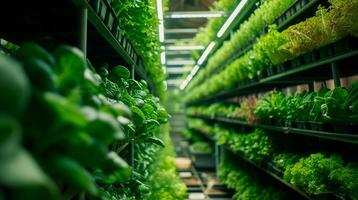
point(65, 128)
point(327, 26)
point(315, 172)
point(139, 22)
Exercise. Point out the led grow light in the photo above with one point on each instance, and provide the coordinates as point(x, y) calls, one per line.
point(188, 79)
point(162, 56)
point(195, 14)
point(184, 47)
point(231, 18)
point(206, 53)
point(161, 20)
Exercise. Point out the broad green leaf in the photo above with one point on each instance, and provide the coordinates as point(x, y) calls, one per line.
point(69, 68)
point(156, 141)
point(66, 111)
point(14, 87)
point(19, 171)
point(138, 115)
point(105, 128)
point(73, 174)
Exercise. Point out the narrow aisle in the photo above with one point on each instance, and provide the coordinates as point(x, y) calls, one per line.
point(197, 170)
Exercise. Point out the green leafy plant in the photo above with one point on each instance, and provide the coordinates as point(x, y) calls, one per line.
point(73, 124)
point(312, 173)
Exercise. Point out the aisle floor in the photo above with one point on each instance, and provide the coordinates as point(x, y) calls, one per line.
point(202, 183)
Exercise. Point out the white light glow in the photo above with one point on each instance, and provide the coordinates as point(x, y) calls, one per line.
point(180, 62)
point(231, 18)
point(178, 70)
point(188, 79)
point(206, 53)
point(162, 57)
point(186, 47)
point(160, 10)
point(161, 31)
point(184, 15)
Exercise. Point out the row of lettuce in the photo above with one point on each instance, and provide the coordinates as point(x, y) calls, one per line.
point(139, 22)
point(274, 48)
point(67, 130)
point(336, 109)
point(317, 172)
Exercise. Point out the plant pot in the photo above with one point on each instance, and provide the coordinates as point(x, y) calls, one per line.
point(103, 11)
point(203, 160)
point(96, 5)
point(341, 128)
point(353, 128)
point(280, 68)
point(124, 42)
point(304, 2)
point(325, 52)
point(270, 71)
point(321, 126)
point(262, 74)
point(114, 28)
point(302, 124)
point(269, 121)
point(289, 123)
point(309, 57)
point(109, 20)
point(297, 62)
point(279, 122)
point(298, 5)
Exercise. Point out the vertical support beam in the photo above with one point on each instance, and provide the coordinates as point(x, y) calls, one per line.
point(217, 158)
point(82, 41)
point(132, 144)
point(335, 73)
point(311, 86)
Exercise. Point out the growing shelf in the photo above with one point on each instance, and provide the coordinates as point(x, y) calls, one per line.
point(301, 9)
point(343, 137)
point(313, 66)
point(65, 22)
point(103, 18)
point(263, 167)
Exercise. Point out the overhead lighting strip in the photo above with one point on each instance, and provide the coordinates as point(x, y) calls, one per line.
point(206, 53)
point(210, 47)
point(188, 79)
point(231, 18)
point(197, 14)
point(184, 47)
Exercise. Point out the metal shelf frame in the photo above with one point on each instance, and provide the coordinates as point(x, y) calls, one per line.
point(341, 137)
point(298, 10)
point(290, 77)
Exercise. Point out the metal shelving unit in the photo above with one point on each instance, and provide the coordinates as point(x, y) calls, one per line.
point(259, 166)
point(342, 137)
point(300, 9)
point(291, 73)
point(66, 22)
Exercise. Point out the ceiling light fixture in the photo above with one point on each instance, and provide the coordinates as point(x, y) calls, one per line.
point(194, 14)
point(191, 75)
point(184, 47)
point(206, 53)
point(231, 18)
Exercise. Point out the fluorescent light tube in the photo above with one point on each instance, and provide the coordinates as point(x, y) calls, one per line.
point(191, 75)
point(160, 10)
point(231, 18)
point(162, 57)
point(185, 47)
point(206, 53)
point(161, 31)
point(180, 62)
point(194, 14)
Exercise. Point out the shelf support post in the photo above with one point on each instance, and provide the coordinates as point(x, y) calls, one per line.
point(82, 41)
point(335, 73)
